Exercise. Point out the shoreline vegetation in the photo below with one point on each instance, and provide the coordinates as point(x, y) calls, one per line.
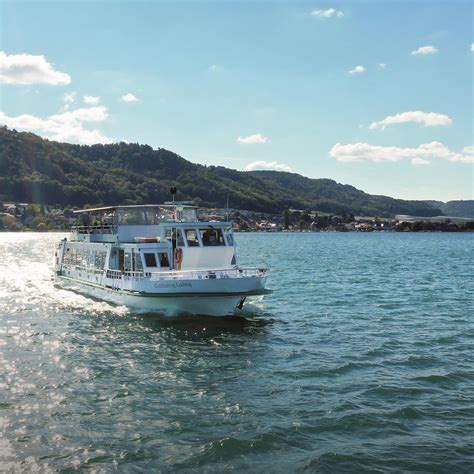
point(29, 217)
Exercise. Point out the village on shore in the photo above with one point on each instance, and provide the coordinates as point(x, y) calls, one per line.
point(43, 218)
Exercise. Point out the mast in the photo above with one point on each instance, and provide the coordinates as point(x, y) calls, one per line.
point(173, 192)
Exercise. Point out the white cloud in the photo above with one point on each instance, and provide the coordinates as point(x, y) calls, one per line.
point(91, 100)
point(65, 127)
point(69, 97)
point(359, 152)
point(91, 114)
point(472, 47)
point(29, 69)
point(382, 65)
point(424, 50)
point(213, 67)
point(419, 162)
point(252, 139)
point(357, 70)
point(129, 98)
point(428, 119)
point(328, 13)
point(267, 165)
point(469, 150)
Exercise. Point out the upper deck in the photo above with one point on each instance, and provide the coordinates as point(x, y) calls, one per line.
point(128, 223)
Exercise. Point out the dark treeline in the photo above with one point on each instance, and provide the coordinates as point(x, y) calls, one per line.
point(421, 226)
point(36, 170)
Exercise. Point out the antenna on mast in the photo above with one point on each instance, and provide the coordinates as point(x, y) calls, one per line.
point(173, 191)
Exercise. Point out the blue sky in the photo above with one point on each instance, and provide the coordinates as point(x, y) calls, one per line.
point(374, 94)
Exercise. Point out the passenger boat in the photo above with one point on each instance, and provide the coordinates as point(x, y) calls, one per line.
point(156, 258)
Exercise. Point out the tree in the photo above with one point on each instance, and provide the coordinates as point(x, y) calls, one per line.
point(33, 209)
point(39, 221)
point(9, 222)
point(303, 225)
point(286, 217)
point(403, 226)
point(306, 216)
point(468, 225)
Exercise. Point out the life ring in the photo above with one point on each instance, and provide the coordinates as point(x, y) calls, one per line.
point(178, 254)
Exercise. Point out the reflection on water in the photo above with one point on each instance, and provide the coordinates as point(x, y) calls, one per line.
point(152, 328)
point(203, 326)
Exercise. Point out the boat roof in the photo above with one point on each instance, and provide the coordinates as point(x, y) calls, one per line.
point(167, 205)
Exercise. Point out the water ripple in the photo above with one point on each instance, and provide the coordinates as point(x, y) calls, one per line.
point(361, 360)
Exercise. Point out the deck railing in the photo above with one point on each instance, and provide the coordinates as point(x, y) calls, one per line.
point(114, 274)
point(95, 229)
point(187, 274)
point(208, 274)
point(82, 268)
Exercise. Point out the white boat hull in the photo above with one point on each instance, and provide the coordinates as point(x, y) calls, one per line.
point(171, 304)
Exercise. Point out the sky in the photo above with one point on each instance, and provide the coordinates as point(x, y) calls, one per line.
point(376, 94)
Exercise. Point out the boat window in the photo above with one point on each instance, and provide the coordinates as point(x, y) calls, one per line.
point(144, 215)
point(72, 258)
point(150, 259)
point(164, 261)
point(121, 261)
point(230, 239)
point(99, 262)
point(131, 217)
point(153, 216)
point(90, 258)
point(192, 238)
point(212, 237)
point(187, 215)
point(127, 261)
point(137, 262)
point(180, 241)
point(179, 236)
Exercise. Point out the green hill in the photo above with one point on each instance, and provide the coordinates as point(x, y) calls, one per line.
point(329, 196)
point(454, 208)
point(33, 169)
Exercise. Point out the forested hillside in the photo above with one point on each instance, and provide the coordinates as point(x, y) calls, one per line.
point(33, 169)
point(329, 196)
point(455, 208)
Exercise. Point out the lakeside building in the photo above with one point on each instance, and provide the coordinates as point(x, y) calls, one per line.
point(28, 216)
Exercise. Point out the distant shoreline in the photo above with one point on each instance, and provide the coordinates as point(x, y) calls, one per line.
point(457, 231)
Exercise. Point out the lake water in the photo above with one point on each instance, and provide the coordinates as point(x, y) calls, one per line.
point(362, 359)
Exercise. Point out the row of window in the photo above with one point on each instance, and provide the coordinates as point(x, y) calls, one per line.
point(131, 261)
point(154, 215)
point(151, 260)
point(128, 260)
point(200, 237)
point(93, 259)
